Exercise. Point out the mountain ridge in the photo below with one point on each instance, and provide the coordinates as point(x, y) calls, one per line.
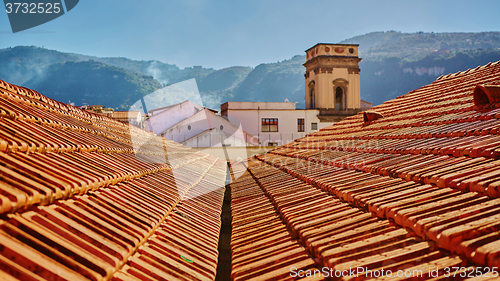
point(393, 63)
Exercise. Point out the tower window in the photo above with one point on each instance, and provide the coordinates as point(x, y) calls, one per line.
point(269, 124)
point(312, 99)
point(300, 125)
point(314, 126)
point(339, 98)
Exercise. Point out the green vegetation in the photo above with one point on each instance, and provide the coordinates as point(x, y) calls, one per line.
point(391, 77)
point(89, 80)
point(393, 64)
point(274, 82)
point(21, 64)
point(416, 46)
point(93, 82)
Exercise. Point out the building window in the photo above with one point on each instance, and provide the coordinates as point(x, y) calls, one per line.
point(221, 127)
point(300, 125)
point(339, 98)
point(314, 126)
point(269, 124)
point(189, 127)
point(312, 98)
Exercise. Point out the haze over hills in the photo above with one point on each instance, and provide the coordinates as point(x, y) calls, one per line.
point(393, 64)
point(416, 46)
point(94, 82)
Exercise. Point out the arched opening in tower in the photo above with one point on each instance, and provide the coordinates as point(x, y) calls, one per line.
point(313, 105)
point(339, 98)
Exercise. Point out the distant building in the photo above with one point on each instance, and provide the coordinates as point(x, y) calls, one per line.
point(332, 81)
point(160, 119)
point(365, 105)
point(216, 138)
point(273, 123)
point(99, 109)
point(332, 94)
point(197, 126)
point(130, 117)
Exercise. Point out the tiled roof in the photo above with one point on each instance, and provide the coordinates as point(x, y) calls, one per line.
point(415, 187)
point(85, 197)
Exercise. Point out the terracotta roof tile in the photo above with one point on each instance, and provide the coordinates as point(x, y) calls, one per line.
point(417, 188)
point(338, 235)
point(84, 197)
point(261, 245)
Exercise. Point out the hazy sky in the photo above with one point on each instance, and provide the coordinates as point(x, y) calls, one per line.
point(219, 34)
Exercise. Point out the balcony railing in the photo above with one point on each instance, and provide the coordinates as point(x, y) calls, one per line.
point(334, 115)
point(335, 111)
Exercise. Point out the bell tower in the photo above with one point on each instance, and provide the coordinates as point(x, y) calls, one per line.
point(332, 80)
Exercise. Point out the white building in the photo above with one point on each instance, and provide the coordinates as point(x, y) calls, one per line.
point(274, 123)
point(160, 119)
point(217, 138)
point(366, 105)
point(197, 126)
point(332, 93)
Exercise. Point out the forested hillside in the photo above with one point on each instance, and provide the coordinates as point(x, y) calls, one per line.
point(393, 64)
